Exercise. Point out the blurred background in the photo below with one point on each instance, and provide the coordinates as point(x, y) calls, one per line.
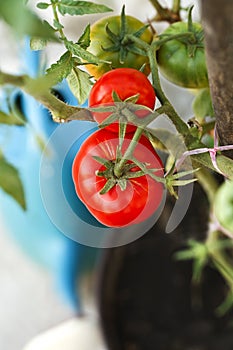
point(35, 296)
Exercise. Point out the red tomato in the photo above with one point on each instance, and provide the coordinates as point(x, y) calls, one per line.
point(116, 208)
point(126, 82)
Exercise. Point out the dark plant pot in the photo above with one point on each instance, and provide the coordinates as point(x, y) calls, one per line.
point(147, 300)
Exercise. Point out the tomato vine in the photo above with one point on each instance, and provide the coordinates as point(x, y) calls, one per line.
point(71, 66)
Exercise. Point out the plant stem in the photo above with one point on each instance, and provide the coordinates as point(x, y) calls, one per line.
point(55, 14)
point(16, 80)
point(128, 154)
point(159, 8)
point(176, 7)
point(225, 164)
point(180, 125)
point(208, 183)
point(165, 14)
point(157, 43)
point(61, 112)
point(220, 260)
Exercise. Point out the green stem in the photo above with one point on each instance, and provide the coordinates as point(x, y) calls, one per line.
point(55, 14)
point(220, 260)
point(155, 78)
point(208, 183)
point(61, 112)
point(176, 7)
point(16, 80)
point(128, 153)
point(157, 43)
point(180, 125)
point(225, 164)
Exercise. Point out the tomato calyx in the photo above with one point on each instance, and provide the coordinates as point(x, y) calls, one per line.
point(121, 43)
point(193, 38)
point(196, 39)
point(132, 169)
point(125, 112)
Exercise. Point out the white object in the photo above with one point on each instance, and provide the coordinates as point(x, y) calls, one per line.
point(74, 334)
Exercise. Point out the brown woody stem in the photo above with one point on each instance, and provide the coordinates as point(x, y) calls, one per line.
point(217, 21)
point(166, 14)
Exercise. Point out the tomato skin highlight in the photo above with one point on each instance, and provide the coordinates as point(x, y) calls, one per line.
point(174, 60)
point(100, 41)
point(126, 82)
point(117, 207)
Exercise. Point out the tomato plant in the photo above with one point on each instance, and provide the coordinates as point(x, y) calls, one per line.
point(116, 184)
point(132, 197)
point(126, 82)
point(108, 44)
point(182, 60)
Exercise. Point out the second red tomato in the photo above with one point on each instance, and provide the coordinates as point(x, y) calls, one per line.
point(118, 207)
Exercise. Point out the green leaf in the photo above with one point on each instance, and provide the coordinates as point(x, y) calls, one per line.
point(10, 119)
point(54, 74)
point(73, 7)
point(78, 51)
point(10, 182)
point(42, 5)
point(80, 84)
point(61, 69)
point(23, 21)
point(37, 44)
point(84, 40)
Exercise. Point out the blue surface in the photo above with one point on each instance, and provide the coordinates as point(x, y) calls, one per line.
point(32, 230)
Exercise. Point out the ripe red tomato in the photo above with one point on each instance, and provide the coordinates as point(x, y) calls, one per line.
point(118, 207)
point(126, 82)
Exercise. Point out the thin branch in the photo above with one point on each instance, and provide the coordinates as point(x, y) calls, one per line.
point(176, 7)
point(166, 14)
point(61, 112)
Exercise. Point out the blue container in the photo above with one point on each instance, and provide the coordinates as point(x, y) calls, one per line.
point(33, 230)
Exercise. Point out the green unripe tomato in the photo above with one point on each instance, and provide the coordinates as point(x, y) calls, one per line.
point(223, 205)
point(101, 43)
point(182, 61)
